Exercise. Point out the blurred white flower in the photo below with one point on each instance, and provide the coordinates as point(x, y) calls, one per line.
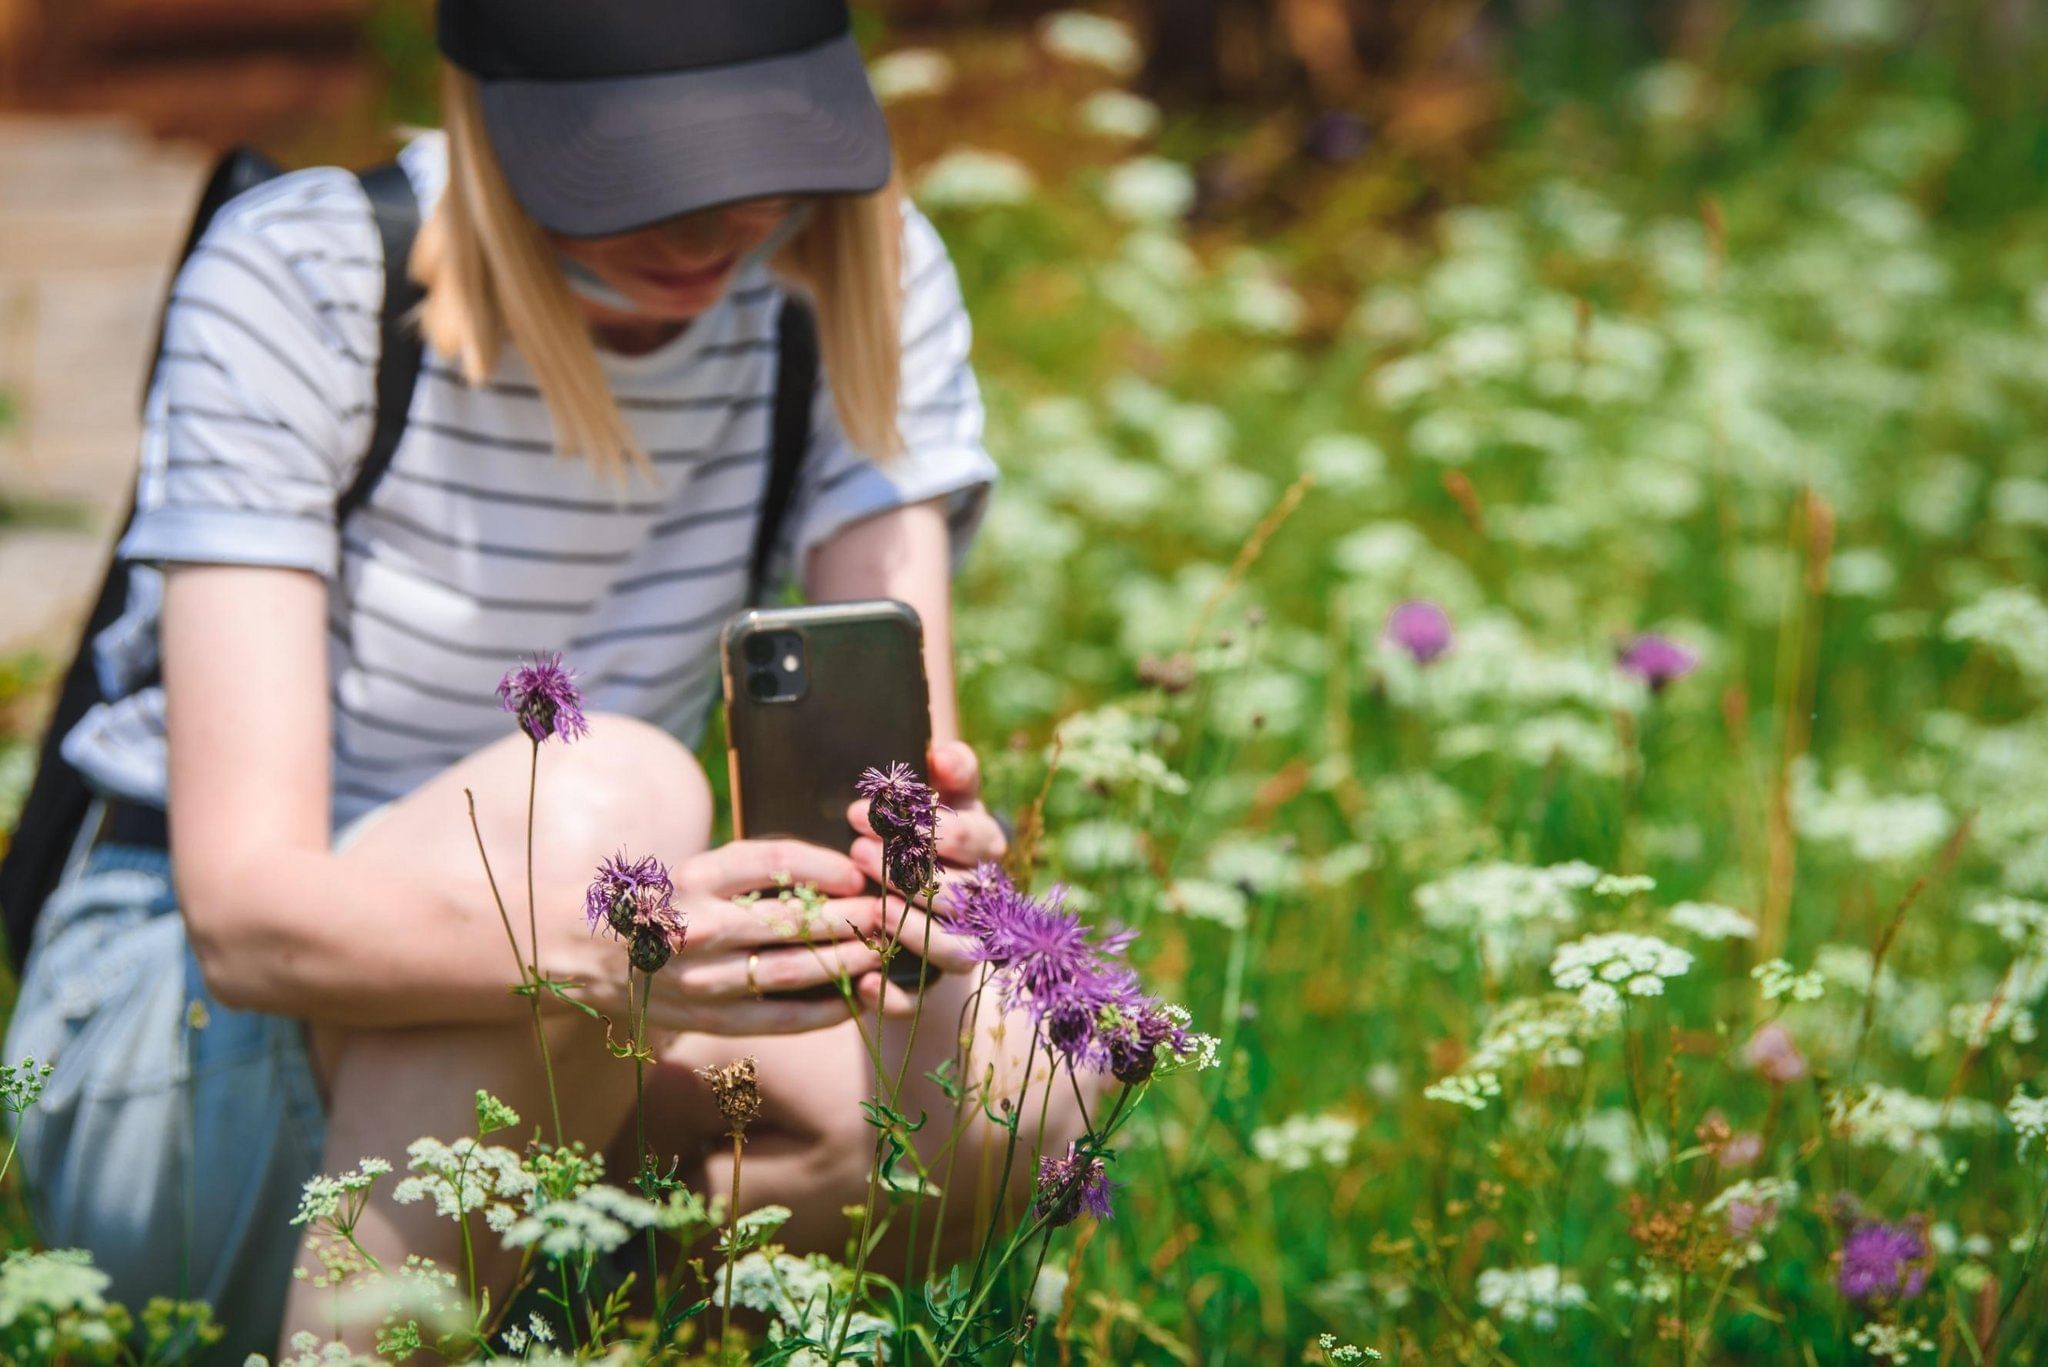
point(1302, 1141)
point(1886, 1117)
point(1344, 463)
point(1078, 36)
point(1119, 114)
point(970, 178)
point(1875, 828)
point(1712, 921)
point(1149, 190)
point(1530, 1295)
point(1776, 978)
point(1470, 1090)
point(909, 72)
point(2029, 1117)
point(1624, 1147)
point(2011, 623)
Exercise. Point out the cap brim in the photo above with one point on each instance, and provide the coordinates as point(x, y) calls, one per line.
point(593, 158)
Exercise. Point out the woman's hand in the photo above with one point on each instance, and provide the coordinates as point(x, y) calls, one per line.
point(967, 836)
point(705, 987)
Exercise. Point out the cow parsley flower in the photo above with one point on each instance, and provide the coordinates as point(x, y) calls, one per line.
point(1897, 1344)
point(1712, 921)
point(596, 1219)
point(1513, 910)
point(1301, 1141)
point(323, 1198)
point(1777, 978)
point(465, 1177)
point(1091, 39)
point(1470, 1090)
point(544, 696)
point(2029, 1117)
point(1886, 1117)
point(1530, 1295)
point(970, 178)
point(1600, 968)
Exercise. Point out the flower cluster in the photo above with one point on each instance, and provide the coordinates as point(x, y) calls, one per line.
point(1078, 990)
point(905, 814)
point(1071, 1184)
point(544, 696)
point(1882, 1262)
point(1602, 968)
point(635, 900)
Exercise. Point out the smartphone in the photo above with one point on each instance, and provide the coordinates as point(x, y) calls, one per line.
point(814, 695)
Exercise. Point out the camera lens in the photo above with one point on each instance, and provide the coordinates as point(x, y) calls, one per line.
point(760, 648)
point(761, 684)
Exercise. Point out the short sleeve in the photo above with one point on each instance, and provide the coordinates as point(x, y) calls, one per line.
point(263, 391)
point(939, 414)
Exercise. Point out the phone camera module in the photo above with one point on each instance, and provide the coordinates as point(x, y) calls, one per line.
point(760, 648)
point(762, 685)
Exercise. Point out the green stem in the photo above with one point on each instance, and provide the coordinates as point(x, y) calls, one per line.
point(528, 980)
point(547, 1062)
point(732, 1253)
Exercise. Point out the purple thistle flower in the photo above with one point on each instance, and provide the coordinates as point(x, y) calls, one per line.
point(544, 696)
point(905, 814)
point(1657, 660)
point(1042, 953)
point(1132, 1039)
point(1421, 628)
point(635, 900)
point(1067, 1186)
point(1882, 1262)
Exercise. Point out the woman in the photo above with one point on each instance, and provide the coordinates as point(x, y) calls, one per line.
point(315, 971)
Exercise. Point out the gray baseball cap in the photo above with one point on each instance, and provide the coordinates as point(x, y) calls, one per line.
point(610, 115)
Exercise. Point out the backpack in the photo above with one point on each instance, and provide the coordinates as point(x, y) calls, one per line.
point(59, 797)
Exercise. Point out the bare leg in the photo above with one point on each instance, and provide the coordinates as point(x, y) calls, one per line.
point(813, 1148)
point(626, 785)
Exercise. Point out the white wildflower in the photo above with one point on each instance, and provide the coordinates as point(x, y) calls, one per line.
point(1622, 886)
point(1302, 1141)
point(1470, 1090)
point(1777, 978)
point(1624, 1146)
point(465, 1177)
point(1712, 921)
point(596, 1219)
point(1343, 463)
point(970, 178)
point(2012, 623)
point(799, 1293)
point(1049, 1292)
point(1513, 910)
point(1208, 900)
point(1875, 828)
point(1530, 1295)
point(323, 1198)
point(1119, 114)
point(1631, 965)
point(1149, 190)
point(1893, 1343)
point(910, 72)
point(2018, 920)
point(2029, 1117)
point(1886, 1117)
point(1078, 36)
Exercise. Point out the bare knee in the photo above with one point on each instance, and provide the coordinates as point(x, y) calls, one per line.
point(627, 785)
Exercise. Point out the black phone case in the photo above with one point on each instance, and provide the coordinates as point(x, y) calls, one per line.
point(793, 763)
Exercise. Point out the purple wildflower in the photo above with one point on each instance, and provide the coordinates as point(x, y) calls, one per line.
point(544, 696)
point(635, 899)
point(1882, 1262)
point(1657, 660)
point(1042, 953)
point(1069, 1185)
point(1421, 628)
point(905, 814)
point(1132, 1036)
point(979, 901)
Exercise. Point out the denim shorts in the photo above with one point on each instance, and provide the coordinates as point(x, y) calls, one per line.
point(174, 1137)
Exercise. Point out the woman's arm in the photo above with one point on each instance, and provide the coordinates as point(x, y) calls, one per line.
point(277, 921)
point(903, 553)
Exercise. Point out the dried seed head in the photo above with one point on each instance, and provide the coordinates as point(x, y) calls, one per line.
point(737, 1091)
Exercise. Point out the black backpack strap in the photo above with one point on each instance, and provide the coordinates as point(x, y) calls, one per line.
point(397, 210)
point(796, 385)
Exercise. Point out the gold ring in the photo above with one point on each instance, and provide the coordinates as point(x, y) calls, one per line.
point(753, 987)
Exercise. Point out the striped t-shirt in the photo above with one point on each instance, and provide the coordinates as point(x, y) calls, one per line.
point(480, 544)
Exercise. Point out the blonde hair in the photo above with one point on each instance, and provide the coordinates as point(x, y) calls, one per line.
point(491, 277)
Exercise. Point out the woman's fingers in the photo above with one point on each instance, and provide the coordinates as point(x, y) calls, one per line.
point(792, 968)
point(966, 835)
point(770, 1017)
point(759, 865)
point(718, 925)
point(956, 773)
